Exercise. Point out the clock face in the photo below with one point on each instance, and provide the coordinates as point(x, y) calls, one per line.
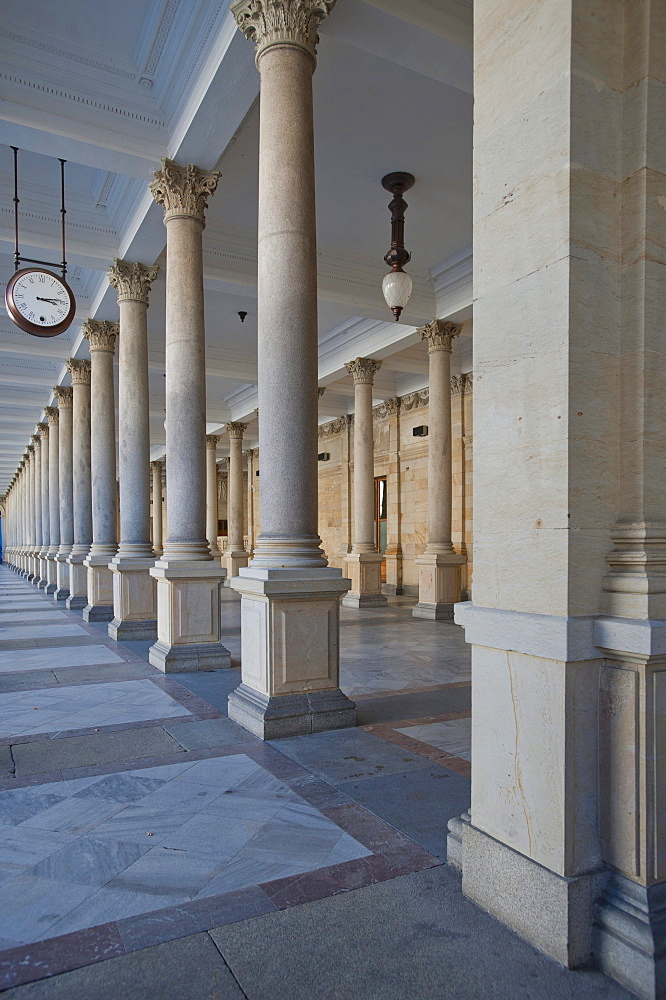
point(40, 302)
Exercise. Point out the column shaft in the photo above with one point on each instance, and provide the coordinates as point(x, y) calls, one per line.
point(81, 484)
point(156, 469)
point(211, 493)
point(44, 482)
point(53, 416)
point(64, 396)
point(235, 554)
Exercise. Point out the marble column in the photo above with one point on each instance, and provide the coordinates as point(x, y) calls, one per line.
point(29, 512)
point(156, 471)
point(235, 555)
point(566, 840)
point(134, 589)
point(81, 484)
point(251, 454)
point(101, 336)
point(440, 565)
point(290, 597)
point(53, 417)
point(44, 504)
point(364, 563)
point(188, 578)
point(64, 397)
point(37, 507)
point(211, 493)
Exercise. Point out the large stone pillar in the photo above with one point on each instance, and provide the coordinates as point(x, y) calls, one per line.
point(289, 610)
point(364, 563)
point(44, 504)
point(211, 493)
point(188, 578)
point(235, 555)
point(64, 397)
point(101, 336)
point(81, 484)
point(156, 471)
point(37, 507)
point(134, 589)
point(53, 417)
point(30, 510)
point(567, 838)
point(439, 566)
point(251, 454)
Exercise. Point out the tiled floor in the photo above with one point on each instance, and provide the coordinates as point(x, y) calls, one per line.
point(454, 736)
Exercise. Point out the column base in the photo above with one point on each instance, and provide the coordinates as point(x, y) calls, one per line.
point(454, 840)
point(629, 935)
point(188, 616)
point(78, 582)
point(76, 602)
point(99, 607)
point(98, 613)
point(272, 718)
point(550, 911)
point(62, 578)
point(51, 574)
point(439, 585)
point(134, 599)
point(42, 582)
point(364, 569)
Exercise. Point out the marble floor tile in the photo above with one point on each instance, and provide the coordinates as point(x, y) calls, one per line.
point(59, 657)
point(169, 872)
point(47, 615)
point(31, 905)
point(12, 632)
point(21, 847)
point(454, 736)
point(105, 905)
point(73, 815)
point(90, 862)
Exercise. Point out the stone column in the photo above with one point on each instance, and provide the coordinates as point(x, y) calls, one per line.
point(64, 396)
point(393, 554)
point(235, 555)
point(567, 838)
point(289, 610)
point(364, 562)
point(53, 417)
point(101, 336)
point(251, 454)
point(211, 493)
point(188, 578)
point(81, 484)
point(156, 470)
point(134, 589)
point(440, 565)
point(37, 507)
point(44, 504)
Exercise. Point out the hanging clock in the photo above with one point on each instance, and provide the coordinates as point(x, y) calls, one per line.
point(40, 302)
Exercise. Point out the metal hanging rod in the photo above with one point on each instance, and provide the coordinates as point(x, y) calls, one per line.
point(18, 258)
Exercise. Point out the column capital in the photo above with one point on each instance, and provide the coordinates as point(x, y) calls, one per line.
point(100, 334)
point(156, 466)
point(36, 441)
point(183, 190)
point(63, 394)
point(235, 430)
point(321, 390)
point(43, 429)
point(439, 334)
point(363, 370)
point(132, 280)
point(282, 22)
point(52, 414)
point(79, 369)
point(211, 441)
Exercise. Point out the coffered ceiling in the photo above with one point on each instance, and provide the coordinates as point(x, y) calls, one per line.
point(113, 88)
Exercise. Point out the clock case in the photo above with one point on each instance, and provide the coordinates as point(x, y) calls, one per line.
point(25, 324)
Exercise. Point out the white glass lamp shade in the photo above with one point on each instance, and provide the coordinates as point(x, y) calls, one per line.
point(397, 288)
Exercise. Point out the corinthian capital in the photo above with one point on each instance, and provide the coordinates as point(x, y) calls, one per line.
point(363, 370)
point(64, 394)
point(100, 334)
point(211, 441)
point(52, 414)
point(79, 369)
point(439, 334)
point(132, 280)
point(235, 430)
point(183, 190)
point(282, 22)
point(43, 429)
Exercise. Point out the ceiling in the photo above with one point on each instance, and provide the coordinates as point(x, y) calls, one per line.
point(113, 88)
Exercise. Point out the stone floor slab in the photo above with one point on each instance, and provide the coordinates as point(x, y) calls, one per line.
point(88, 751)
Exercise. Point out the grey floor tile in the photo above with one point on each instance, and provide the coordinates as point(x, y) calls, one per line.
point(209, 733)
point(453, 736)
point(124, 788)
point(21, 804)
point(73, 815)
point(415, 705)
point(106, 905)
point(22, 847)
point(221, 772)
point(39, 631)
point(188, 969)
point(30, 905)
point(207, 834)
point(168, 872)
point(51, 659)
point(213, 686)
point(248, 869)
point(348, 753)
point(98, 748)
point(90, 862)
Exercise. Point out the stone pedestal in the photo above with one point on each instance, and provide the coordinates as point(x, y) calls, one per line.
point(134, 590)
point(364, 563)
point(81, 484)
point(188, 578)
point(289, 608)
point(439, 585)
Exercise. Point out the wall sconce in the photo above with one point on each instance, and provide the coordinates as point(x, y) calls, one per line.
point(420, 432)
point(323, 456)
point(397, 286)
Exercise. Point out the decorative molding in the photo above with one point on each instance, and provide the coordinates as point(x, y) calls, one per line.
point(363, 370)
point(64, 394)
point(282, 22)
point(235, 430)
point(52, 414)
point(132, 280)
point(73, 56)
point(462, 383)
point(334, 426)
point(387, 409)
point(415, 399)
point(439, 335)
point(160, 39)
point(101, 334)
point(454, 273)
point(183, 190)
point(120, 112)
point(79, 369)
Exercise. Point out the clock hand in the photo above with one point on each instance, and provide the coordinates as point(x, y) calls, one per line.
point(54, 302)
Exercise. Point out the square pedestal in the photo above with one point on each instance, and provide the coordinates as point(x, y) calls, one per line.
point(439, 585)
point(629, 935)
point(42, 582)
point(134, 599)
point(100, 590)
point(62, 578)
point(365, 573)
point(188, 616)
point(290, 625)
point(51, 574)
point(234, 563)
point(78, 583)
